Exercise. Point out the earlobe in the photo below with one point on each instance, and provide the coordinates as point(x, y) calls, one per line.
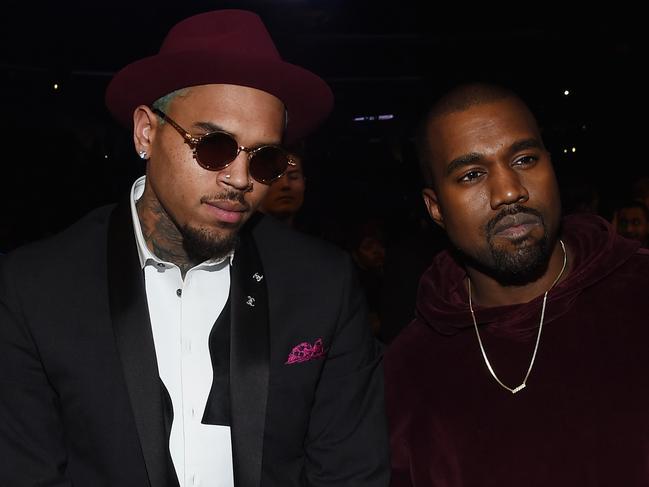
point(144, 122)
point(432, 205)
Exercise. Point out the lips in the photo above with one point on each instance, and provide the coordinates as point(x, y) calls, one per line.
point(227, 211)
point(516, 225)
point(285, 199)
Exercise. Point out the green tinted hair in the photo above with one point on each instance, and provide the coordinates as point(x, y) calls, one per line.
point(163, 102)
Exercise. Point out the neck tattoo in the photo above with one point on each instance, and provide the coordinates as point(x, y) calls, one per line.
point(161, 234)
point(538, 337)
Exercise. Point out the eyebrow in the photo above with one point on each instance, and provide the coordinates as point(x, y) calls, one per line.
point(473, 157)
point(520, 145)
point(465, 160)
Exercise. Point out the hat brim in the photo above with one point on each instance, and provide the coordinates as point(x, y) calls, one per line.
point(308, 99)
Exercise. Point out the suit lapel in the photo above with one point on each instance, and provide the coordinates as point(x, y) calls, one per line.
point(249, 362)
point(134, 338)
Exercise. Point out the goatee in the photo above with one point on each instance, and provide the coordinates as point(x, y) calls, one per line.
point(526, 263)
point(202, 245)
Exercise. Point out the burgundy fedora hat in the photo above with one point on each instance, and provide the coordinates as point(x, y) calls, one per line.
point(221, 47)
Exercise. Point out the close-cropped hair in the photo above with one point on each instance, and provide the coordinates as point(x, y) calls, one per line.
point(163, 102)
point(459, 99)
point(640, 189)
point(634, 204)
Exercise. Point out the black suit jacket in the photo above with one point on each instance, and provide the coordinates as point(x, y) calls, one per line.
point(81, 402)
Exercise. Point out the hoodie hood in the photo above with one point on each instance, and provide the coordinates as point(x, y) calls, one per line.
point(596, 251)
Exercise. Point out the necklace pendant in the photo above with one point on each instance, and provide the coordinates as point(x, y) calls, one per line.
point(538, 336)
point(518, 389)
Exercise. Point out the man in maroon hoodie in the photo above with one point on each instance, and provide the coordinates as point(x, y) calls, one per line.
point(528, 361)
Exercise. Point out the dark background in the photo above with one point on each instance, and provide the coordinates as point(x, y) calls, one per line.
point(63, 155)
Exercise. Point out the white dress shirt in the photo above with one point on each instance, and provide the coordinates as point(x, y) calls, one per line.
point(182, 314)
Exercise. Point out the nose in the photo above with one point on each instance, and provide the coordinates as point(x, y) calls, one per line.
point(237, 174)
point(507, 188)
point(283, 182)
point(633, 227)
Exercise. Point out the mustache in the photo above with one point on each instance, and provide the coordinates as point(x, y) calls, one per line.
point(235, 196)
point(510, 211)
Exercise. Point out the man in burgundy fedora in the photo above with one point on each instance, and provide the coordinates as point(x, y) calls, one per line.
point(179, 338)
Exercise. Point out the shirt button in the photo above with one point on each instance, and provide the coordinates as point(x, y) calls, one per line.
point(179, 292)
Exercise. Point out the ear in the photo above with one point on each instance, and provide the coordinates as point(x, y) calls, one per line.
point(144, 124)
point(432, 205)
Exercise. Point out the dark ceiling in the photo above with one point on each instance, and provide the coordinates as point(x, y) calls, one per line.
point(375, 54)
point(379, 57)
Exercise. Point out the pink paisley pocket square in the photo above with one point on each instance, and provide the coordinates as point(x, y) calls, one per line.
point(305, 352)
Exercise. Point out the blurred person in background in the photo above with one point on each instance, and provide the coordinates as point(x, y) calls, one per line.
point(285, 195)
point(367, 248)
point(632, 221)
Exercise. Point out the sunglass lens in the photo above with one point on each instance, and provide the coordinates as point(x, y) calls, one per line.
point(268, 163)
point(216, 150)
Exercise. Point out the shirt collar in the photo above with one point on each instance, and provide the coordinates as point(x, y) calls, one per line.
point(146, 256)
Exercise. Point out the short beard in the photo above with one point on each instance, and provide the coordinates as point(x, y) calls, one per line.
point(201, 245)
point(526, 264)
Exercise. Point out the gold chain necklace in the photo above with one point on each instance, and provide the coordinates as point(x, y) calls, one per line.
point(538, 337)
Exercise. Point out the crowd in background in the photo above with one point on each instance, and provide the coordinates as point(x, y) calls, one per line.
point(390, 249)
point(390, 258)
